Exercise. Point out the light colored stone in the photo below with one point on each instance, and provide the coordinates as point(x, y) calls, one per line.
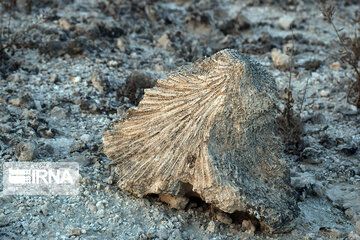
point(75, 79)
point(164, 41)
point(248, 227)
point(112, 63)
point(120, 44)
point(177, 202)
point(280, 60)
point(58, 112)
point(64, 24)
point(211, 227)
point(357, 227)
point(288, 48)
point(324, 93)
point(74, 232)
point(223, 217)
point(99, 82)
point(335, 66)
point(285, 22)
point(188, 137)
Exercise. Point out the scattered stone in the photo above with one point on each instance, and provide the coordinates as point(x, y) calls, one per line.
point(335, 66)
point(248, 227)
point(4, 221)
point(211, 227)
point(164, 42)
point(17, 77)
point(135, 85)
point(310, 155)
point(79, 158)
point(288, 48)
point(347, 149)
point(198, 23)
point(177, 202)
point(285, 22)
point(346, 109)
point(280, 60)
point(74, 232)
point(235, 25)
point(303, 184)
point(357, 227)
point(44, 209)
point(120, 44)
point(99, 82)
point(312, 64)
point(64, 23)
point(163, 234)
point(86, 138)
point(317, 118)
point(176, 235)
point(324, 93)
point(54, 78)
point(329, 232)
point(25, 101)
point(75, 79)
point(223, 217)
point(58, 112)
point(113, 63)
point(26, 151)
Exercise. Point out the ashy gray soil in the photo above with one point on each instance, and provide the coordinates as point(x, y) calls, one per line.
point(71, 68)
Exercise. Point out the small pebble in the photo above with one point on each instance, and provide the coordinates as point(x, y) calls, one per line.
point(324, 93)
point(335, 66)
point(280, 60)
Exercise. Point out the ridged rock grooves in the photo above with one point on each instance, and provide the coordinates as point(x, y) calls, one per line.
point(208, 130)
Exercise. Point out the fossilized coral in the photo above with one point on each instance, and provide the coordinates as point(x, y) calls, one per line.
point(208, 129)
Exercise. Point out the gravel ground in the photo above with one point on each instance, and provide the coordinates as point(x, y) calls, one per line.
point(77, 66)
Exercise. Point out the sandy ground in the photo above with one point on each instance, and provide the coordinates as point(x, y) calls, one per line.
point(66, 78)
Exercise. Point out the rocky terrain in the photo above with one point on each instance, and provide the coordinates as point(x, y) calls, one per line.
point(70, 68)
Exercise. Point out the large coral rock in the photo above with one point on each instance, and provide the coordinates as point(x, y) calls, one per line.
point(208, 129)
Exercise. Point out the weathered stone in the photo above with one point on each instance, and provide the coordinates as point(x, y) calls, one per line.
point(26, 151)
point(280, 60)
point(207, 130)
point(177, 202)
point(248, 227)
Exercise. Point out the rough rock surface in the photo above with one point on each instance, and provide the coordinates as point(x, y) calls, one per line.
point(208, 128)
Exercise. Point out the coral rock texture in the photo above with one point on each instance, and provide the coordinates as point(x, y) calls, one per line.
point(208, 130)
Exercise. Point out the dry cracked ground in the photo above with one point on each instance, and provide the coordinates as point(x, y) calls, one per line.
point(70, 68)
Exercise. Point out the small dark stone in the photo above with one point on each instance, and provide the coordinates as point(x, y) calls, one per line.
point(312, 65)
point(135, 85)
point(310, 155)
point(235, 25)
point(347, 149)
point(328, 142)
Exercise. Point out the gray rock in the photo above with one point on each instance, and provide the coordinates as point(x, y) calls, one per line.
point(99, 82)
point(285, 22)
point(357, 227)
point(163, 234)
point(4, 220)
point(58, 112)
point(25, 101)
point(74, 232)
point(176, 235)
point(26, 151)
point(310, 155)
